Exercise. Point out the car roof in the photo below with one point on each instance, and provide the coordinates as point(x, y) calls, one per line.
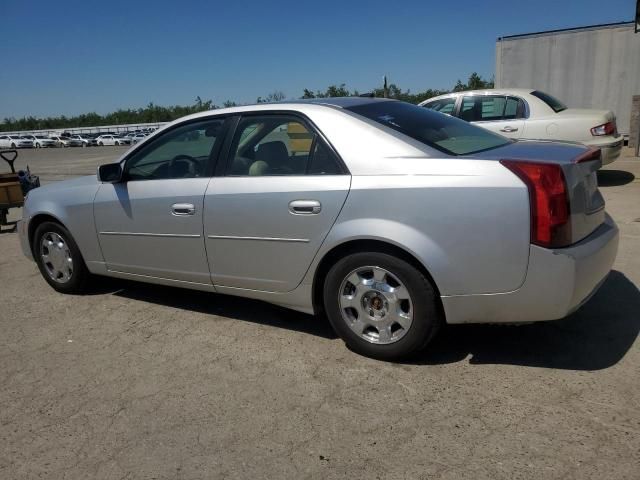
point(341, 102)
point(301, 105)
point(486, 91)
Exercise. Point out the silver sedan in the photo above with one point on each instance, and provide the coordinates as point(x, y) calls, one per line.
point(388, 218)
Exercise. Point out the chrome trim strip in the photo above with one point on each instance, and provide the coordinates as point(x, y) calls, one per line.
point(264, 239)
point(144, 234)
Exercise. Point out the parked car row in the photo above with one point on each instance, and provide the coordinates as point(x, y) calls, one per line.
point(73, 140)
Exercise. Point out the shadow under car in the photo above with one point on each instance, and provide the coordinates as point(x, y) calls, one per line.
point(595, 337)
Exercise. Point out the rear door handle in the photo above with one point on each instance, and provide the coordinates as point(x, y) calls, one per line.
point(305, 207)
point(509, 129)
point(183, 209)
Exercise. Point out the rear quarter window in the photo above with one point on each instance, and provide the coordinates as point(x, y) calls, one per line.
point(553, 103)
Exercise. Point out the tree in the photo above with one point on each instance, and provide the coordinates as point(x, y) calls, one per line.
point(332, 91)
point(155, 113)
point(276, 96)
point(475, 82)
point(308, 94)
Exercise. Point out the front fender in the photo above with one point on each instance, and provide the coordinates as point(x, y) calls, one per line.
point(73, 208)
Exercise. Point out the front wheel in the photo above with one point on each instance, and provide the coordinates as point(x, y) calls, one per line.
point(381, 306)
point(59, 259)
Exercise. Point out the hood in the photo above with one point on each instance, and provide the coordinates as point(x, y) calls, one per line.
point(69, 184)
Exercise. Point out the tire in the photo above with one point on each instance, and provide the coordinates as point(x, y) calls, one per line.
point(401, 325)
point(101, 144)
point(37, 145)
point(13, 145)
point(78, 275)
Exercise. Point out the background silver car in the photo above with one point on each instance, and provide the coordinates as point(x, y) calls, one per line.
point(390, 218)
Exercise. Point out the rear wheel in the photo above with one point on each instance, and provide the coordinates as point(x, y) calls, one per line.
point(59, 258)
point(381, 306)
point(13, 145)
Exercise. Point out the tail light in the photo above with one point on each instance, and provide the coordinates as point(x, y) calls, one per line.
point(608, 128)
point(548, 199)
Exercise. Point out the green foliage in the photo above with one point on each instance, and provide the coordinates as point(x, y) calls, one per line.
point(332, 91)
point(150, 114)
point(154, 113)
point(475, 82)
point(276, 96)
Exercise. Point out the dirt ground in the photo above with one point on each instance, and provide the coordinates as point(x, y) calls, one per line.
point(138, 381)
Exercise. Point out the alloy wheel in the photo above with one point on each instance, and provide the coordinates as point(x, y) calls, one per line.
point(56, 257)
point(376, 305)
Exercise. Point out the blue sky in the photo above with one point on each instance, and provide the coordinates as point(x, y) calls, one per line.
point(71, 57)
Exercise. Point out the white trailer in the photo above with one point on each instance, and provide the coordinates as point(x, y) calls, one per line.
point(588, 67)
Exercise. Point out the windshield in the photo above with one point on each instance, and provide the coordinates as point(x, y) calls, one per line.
point(555, 104)
point(437, 130)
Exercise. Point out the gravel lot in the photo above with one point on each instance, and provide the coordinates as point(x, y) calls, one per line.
point(136, 381)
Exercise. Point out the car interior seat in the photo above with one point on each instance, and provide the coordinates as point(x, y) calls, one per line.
point(272, 158)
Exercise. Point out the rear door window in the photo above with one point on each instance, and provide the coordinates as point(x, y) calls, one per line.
point(483, 108)
point(279, 145)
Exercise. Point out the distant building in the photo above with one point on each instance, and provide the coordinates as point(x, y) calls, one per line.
point(587, 67)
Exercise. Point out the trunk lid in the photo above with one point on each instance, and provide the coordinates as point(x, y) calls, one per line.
point(579, 166)
point(602, 116)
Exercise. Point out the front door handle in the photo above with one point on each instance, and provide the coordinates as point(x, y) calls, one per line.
point(509, 129)
point(183, 209)
point(305, 207)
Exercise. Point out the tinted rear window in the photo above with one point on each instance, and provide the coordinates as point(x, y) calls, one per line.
point(442, 132)
point(555, 104)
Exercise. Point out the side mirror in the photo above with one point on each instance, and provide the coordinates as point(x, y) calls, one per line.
point(110, 173)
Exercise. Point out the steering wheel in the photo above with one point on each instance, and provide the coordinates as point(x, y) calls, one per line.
point(194, 164)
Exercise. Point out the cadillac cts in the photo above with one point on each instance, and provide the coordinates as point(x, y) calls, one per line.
point(390, 218)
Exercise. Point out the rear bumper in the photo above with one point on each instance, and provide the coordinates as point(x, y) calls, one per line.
point(557, 283)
